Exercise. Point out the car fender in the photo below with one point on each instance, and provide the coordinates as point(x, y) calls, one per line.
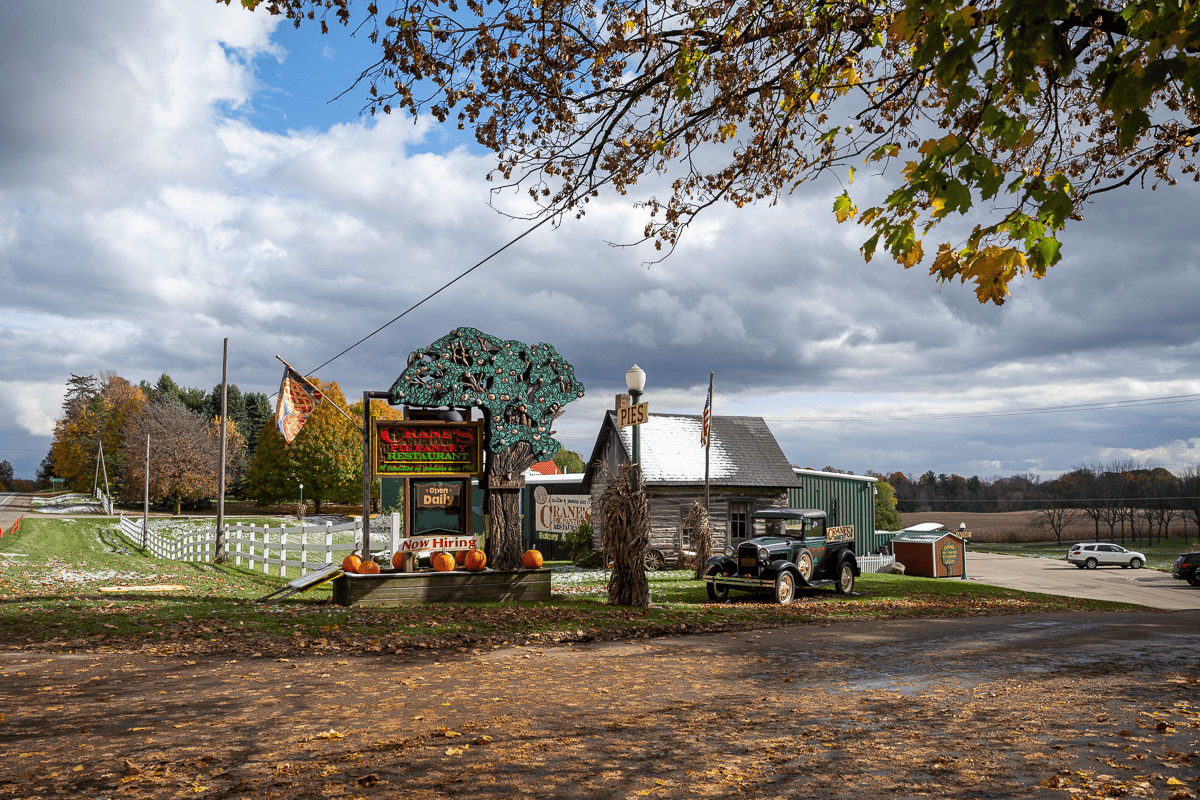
point(843, 558)
point(725, 563)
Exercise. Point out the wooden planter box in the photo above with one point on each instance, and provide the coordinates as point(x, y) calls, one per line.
point(412, 588)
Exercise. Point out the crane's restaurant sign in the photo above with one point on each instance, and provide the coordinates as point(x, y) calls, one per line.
point(412, 447)
point(562, 513)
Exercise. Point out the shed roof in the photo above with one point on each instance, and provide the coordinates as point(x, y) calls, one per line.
point(743, 451)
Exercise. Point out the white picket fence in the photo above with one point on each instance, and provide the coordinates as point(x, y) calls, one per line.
point(274, 548)
point(105, 501)
point(875, 563)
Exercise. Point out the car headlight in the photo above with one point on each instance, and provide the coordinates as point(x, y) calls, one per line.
point(729, 552)
point(764, 554)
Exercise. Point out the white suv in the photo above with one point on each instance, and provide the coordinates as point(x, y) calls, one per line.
point(1095, 554)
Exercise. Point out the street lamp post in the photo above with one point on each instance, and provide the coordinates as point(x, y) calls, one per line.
point(302, 499)
point(635, 381)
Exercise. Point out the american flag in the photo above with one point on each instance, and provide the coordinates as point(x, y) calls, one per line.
point(706, 419)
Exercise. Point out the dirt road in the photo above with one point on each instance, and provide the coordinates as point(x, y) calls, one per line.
point(1024, 706)
point(1144, 587)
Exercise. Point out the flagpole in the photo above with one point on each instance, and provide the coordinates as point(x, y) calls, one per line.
point(318, 388)
point(708, 444)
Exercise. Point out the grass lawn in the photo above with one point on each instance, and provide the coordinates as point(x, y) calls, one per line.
point(53, 571)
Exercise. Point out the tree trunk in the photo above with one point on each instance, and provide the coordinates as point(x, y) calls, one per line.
point(316, 505)
point(504, 505)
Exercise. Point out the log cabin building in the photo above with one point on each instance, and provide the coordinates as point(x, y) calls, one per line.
point(747, 472)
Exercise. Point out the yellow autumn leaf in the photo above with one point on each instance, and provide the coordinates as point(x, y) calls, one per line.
point(728, 131)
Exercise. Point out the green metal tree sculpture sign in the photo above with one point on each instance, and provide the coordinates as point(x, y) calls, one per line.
point(520, 388)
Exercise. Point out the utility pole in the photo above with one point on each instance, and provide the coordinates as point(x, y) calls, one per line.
point(146, 498)
point(219, 555)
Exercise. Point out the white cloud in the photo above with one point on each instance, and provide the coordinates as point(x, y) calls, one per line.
point(33, 406)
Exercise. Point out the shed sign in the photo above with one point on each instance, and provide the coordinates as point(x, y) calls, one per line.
point(562, 513)
point(427, 448)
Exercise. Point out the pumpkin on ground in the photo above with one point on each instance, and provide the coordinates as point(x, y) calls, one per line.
point(351, 563)
point(475, 560)
point(532, 559)
point(442, 562)
point(368, 568)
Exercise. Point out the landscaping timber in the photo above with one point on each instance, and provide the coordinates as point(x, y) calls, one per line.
point(414, 588)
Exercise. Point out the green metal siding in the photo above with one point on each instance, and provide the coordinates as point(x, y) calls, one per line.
point(845, 500)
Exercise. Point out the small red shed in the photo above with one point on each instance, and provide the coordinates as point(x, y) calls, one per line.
point(937, 554)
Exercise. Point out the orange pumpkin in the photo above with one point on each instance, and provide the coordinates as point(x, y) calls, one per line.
point(398, 560)
point(459, 556)
point(351, 563)
point(532, 559)
point(475, 560)
point(368, 568)
point(442, 562)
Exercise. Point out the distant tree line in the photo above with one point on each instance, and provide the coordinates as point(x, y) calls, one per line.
point(1121, 499)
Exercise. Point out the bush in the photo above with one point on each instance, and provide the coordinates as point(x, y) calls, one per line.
point(579, 541)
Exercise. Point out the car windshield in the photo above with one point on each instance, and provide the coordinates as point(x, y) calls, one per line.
point(793, 528)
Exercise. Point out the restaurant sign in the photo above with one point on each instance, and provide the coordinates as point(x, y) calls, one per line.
point(426, 448)
point(562, 513)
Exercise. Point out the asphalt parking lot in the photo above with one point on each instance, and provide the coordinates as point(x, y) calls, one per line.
point(1144, 587)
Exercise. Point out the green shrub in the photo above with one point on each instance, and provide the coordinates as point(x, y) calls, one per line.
point(579, 541)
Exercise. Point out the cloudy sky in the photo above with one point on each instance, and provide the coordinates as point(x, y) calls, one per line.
point(176, 172)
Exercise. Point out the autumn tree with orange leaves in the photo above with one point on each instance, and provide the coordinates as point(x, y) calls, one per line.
point(326, 456)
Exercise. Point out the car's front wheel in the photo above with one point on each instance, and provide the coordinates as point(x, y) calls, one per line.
point(716, 593)
point(1091, 563)
point(845, 584)
point(785, 588)
point(1135, 563)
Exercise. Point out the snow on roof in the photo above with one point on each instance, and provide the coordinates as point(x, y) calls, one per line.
point(671, 450)
point(743, 452)
point(537, 478)
point(848, 477)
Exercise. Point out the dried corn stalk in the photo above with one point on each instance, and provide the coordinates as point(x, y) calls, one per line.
point(626, 537)
point(697, 521)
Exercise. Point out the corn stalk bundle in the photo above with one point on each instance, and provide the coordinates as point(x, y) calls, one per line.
point(697, 521)
point(626, 536)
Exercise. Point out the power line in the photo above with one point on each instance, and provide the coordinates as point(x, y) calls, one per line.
point(434, 294)
point(1097, 406)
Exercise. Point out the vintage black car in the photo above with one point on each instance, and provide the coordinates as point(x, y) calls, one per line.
point(792, 548)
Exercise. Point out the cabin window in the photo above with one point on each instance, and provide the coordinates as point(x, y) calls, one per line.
point(739, 513)
point(685, 531)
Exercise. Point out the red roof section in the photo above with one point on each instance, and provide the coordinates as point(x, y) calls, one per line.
point(546, 468)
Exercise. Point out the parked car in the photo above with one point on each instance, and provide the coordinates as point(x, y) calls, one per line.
point(795, 550)
point(1089, 555)
point(1185, 568)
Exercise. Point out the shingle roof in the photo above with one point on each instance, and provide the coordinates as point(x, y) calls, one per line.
point(744, 453)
